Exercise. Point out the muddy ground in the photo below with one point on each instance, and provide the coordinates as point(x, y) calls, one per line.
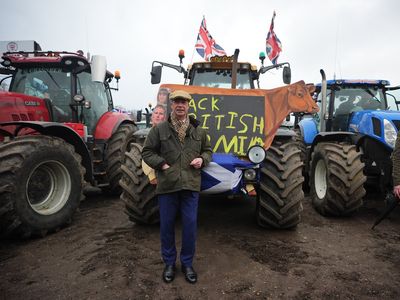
point(104, 256)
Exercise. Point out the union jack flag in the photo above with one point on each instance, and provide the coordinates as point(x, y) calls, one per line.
point(274, 46)
point(206, 45)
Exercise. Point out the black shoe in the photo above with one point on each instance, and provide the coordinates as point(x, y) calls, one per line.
point(168, 274)
point(190, 274)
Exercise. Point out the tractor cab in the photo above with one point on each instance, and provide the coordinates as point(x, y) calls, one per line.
point(221, 72)
point(345, 97)
point(65, 81)
point(218, 73)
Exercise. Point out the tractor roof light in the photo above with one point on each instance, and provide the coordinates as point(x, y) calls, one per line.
point(261, 56)
point(181, 54)
point(117, 75)
point(256, 154)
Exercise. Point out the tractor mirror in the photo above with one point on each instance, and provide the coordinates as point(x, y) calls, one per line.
point(139, 115)
point(287, 75)
point(99, 68)
point(156, 74)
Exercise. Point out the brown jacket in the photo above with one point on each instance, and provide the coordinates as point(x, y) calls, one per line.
point(396, 161)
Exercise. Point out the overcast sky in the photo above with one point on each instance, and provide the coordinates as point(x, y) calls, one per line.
point(349, 38)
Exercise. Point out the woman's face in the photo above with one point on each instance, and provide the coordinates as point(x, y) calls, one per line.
point(157, 116)
point(162, 98)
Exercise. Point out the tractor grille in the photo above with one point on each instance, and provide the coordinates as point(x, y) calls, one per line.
point(376, 124)
point(397, 124)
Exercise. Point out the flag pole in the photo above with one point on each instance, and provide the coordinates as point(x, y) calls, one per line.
point(194, 48)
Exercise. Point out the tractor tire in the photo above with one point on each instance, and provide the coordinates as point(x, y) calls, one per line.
point(303, 156)
point(139, 196)
point(116, 148)
point(280, 194)
point(336, 179)
point(41, 181)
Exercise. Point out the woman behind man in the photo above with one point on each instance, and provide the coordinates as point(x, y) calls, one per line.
point(157, 116)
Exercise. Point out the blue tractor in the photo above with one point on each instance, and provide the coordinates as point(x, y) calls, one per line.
point(347, 145)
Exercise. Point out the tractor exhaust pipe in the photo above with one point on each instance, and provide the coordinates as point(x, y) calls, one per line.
point(324, 115)
point(234, 68)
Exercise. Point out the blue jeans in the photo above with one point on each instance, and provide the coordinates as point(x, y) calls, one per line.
point(186, 202)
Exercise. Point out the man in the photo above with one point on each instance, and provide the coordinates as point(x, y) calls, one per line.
point(396, 167)
point(177, 149)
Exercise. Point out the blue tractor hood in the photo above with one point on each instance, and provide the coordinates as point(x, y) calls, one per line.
point(375, 123)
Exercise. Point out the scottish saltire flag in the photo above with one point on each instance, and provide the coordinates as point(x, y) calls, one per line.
point(206, 45)
point(274, 46)
point(223, 174)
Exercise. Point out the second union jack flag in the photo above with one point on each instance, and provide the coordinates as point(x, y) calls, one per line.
point(274, 46)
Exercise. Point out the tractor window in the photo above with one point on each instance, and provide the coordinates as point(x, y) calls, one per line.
point(51, 83)
point(5, 82)
point(348, 100)
point(221, 79)
point(96, 93)
point(392, 100)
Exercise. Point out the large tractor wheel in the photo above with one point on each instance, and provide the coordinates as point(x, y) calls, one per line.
point(336, 179)
point(41, 182)
point(116, 148)
point(137, 193)
point(280, 194)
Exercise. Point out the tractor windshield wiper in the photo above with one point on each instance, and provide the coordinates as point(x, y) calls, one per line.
point(52, 78)
point(372, 94)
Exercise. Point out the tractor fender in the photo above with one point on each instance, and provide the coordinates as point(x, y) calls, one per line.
point(334, 136)
point(109, 123)
point(308, 129)
point(67, 134)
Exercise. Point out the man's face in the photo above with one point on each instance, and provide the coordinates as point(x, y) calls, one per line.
point(180, 108)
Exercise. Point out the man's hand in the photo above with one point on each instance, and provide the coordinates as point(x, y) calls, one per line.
point(165, 166)
point(197, 162)
point(396, 191)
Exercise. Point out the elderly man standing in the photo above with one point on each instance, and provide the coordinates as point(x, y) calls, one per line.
point(177, 149)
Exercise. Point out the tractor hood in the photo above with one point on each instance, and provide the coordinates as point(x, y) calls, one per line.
point(21, 107)
point(238, 119)
point(379, 125)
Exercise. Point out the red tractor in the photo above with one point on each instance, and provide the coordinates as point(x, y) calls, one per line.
point(58, 130)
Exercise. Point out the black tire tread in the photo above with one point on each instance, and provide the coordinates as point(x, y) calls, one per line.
point(280, 192)
point(116, 148)
point(345, 179)
point(12, 155)
point(138, 194)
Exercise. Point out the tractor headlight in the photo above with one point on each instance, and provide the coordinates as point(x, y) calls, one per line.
point(256, 154)
point(389, 132)
point(250, 174)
